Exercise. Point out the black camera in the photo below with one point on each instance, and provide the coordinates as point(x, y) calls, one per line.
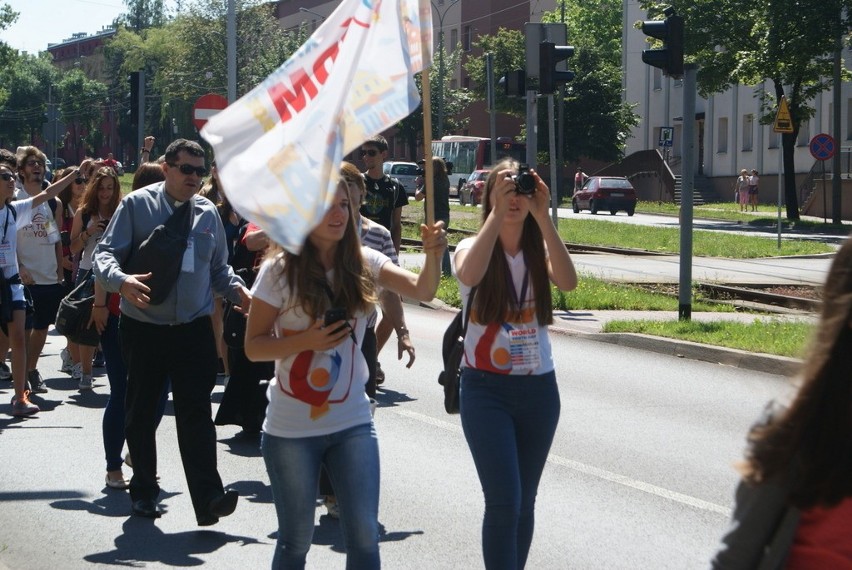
point(524, 181)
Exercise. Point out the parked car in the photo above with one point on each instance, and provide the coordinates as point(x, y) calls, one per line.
point(471, 190)
point(607, 193)
point(405, 172)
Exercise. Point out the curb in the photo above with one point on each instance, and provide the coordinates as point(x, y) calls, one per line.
point(757, 362)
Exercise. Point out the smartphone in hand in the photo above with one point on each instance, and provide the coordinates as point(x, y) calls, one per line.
point(336, 315)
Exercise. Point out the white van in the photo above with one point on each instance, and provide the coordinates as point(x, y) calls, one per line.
point(405, 172)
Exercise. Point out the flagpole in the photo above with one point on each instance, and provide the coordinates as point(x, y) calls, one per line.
point(428, 171)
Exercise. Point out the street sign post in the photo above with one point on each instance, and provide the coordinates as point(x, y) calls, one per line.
point(205, 107)
point(783, 125)
point(822, 148)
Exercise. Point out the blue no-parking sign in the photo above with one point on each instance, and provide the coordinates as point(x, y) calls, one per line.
point(666, 136)
point(822, 146)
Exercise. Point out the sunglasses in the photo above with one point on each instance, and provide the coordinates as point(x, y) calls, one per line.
point(80, 180)
point(32, 163)
point(7, 176)
point(189, 169)
point(371, 152)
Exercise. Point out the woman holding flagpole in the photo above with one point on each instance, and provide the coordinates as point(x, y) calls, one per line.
point(309, 315)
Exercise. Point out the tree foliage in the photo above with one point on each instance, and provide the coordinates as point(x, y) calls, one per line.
point(455, 102)
point(81, 103)
point(27, 79)
point(508, 54)
point(143, 14)
point(787, 43)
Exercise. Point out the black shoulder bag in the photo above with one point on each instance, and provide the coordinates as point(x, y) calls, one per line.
point(75, 310)
point(161, 254)
point(452, 350)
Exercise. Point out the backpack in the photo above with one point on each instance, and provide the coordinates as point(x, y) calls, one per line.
point(452, 350)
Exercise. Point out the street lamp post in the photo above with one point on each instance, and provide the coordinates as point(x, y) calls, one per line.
point(441, 63)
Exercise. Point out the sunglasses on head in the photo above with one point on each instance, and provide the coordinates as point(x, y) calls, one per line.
point(370, 152)
point(189, 169)
point(7, 176)
point(81, 180)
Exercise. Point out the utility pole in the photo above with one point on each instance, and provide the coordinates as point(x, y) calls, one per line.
point(231, 32)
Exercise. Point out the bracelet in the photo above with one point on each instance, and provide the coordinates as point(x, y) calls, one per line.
point(402, 332)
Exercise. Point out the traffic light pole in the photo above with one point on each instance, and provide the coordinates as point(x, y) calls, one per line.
point(532, 128)
point(551, 136)
point(684, 311)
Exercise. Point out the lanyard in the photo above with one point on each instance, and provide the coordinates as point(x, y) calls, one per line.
point(519, 300)
point(6, 224)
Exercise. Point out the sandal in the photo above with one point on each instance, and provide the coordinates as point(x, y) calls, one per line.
point(117, 483)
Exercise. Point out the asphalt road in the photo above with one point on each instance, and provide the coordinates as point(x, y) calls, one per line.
point(640, 474)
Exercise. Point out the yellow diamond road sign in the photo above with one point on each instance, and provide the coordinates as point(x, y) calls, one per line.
point(783, 120)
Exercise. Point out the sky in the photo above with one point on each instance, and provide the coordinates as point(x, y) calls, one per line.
point(42, 22)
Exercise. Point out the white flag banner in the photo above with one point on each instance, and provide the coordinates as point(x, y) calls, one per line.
point(278, 148)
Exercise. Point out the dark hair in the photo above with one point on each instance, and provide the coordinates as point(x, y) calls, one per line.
point(7, 157)
point(192, 148)
point(377, 141)
point(66, 195)
point(353, 288)
point(89, 201)
point(494, 303)
point(25, 152)
point(147, 173)
point(214, 193)
point(812, 436)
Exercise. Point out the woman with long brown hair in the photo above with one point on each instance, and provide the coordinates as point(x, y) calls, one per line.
point(509, 399)
point(794, 504)
point(317, 305)
point(98, 204)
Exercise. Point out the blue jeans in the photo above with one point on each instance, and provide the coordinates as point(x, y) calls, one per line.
point(113, 422)
point(352, 459)
point(509, 422)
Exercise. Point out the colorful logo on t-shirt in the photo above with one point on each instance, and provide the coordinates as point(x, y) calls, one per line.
point(312, 377)
point(508, 348)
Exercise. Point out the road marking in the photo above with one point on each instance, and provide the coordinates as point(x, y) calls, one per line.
point(588, 469)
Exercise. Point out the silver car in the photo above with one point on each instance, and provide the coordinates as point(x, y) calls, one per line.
point(405, 172)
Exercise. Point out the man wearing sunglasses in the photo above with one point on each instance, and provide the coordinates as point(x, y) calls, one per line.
point(172, 339)
point(39, 250)
point(385, 195)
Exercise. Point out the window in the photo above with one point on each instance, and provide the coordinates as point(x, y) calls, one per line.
point(774, 139)
point(658, 78)
point(748, 131)
point(468, 38)
point(454, 40)
point(722, 136)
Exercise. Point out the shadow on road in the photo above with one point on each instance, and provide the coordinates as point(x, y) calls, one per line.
point(142, 541)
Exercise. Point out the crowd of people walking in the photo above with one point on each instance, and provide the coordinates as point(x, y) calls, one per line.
point(298, 337)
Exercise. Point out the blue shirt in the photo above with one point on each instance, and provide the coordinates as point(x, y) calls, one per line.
point(192, 296)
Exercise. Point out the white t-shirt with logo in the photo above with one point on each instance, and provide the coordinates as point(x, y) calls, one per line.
point(521, 347)
point(37, 240)
point(314, 392)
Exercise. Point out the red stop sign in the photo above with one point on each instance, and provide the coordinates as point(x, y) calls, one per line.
point(207, 106)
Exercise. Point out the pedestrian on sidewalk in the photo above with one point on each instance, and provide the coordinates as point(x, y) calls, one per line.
point(318, 304)
point(753, 183)
point(794, 504)
point(509, 398)
point(741, 190)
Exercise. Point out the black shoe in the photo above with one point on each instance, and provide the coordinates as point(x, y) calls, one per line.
point(146, 508)
point(380, 375)
point(224, 504)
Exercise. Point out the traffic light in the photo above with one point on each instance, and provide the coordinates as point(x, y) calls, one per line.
point(549, 54)
point(514, 83)
point(669, 58)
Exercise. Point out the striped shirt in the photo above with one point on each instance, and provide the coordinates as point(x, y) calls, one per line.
point(378, 238)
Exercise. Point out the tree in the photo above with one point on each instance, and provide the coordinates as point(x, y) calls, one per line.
point(508, 52)
point(7, 54)
point(788, 43)
point(81, 103)
point(28, 78)
point(455, 102)
point(142, 15)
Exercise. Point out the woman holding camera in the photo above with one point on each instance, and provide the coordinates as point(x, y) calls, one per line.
point(319, 413)
point(98, 204)
point(509, 399)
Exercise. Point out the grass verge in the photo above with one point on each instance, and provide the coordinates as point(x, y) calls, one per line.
point(661, 240)
point(768, 336)
point(593, 294)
